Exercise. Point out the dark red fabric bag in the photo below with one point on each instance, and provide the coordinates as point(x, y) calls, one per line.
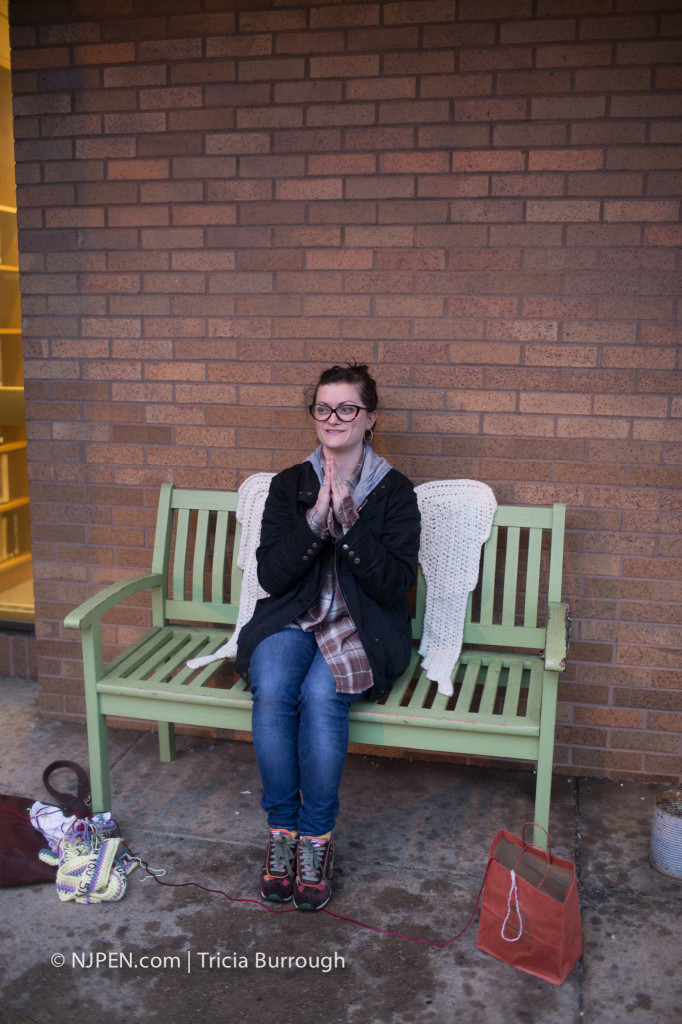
point(530, 915)
point(20, 844)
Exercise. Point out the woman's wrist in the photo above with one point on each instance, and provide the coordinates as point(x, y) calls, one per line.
point(317, 522)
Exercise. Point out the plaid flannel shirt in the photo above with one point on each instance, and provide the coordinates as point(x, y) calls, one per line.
point(329, 618)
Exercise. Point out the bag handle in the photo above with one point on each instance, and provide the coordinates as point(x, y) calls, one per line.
point(67, 802)
point(525, 845)
point(526, 825)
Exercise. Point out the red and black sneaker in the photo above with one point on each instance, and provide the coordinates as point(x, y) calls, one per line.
point(314, 870)
point(277, 874)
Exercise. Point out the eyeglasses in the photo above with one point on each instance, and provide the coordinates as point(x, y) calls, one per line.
point(345, 413)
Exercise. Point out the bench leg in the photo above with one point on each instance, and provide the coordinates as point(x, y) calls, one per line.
point(98, 744)
point(98, 751)
point(166, 741)
point(543, 785)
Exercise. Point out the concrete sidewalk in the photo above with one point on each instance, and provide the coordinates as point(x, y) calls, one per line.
point(412, 843)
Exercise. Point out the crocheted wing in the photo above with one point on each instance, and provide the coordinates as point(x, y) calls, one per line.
point(457, 517)
point(252, 496)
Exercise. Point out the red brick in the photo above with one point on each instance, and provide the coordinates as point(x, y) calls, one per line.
point(137, 169)
point(380, 88)
point(390, 236)
point(270, 117)
point(432, 86)
point(573, 55)
point(564, 211)
point(309, 42)
point(276, 69)
point(608, 183)
point(202, 72)
point(412, 111)
point(125, 124)
point(310, 189)
point(348, 15)
point(533, 83)
point(423, 12)
point(236, 45)
point(450, 186)
point(345, 66)
point(340, 114)
point(489, 110)
point(495, 57)
point(307, 141)
point(318, 91)
point(169, 50)
point(43, 57)
point(650, 158)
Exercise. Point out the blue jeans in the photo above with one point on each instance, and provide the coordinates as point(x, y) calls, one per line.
point(300, 732)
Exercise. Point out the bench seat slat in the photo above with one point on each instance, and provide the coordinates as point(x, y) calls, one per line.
point(511, 697)
point(466, 694)
point(490, 687)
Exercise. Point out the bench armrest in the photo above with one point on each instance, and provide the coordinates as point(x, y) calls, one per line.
point(556, 636)
point(89, 611)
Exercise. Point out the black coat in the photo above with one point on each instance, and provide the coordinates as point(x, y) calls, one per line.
point(376, 563)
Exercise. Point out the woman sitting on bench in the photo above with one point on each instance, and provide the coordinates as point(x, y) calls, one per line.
point(337, 557)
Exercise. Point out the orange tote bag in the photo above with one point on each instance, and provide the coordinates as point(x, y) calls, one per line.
point(530, 915)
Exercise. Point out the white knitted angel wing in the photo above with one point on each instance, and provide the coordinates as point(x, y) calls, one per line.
point(457, 517)
point(252, 495)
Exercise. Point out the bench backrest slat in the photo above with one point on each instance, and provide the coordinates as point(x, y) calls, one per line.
point(533, 566)
point(511, 572)
point(219, 556)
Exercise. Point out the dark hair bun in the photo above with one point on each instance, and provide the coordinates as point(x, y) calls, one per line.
point(352, 373)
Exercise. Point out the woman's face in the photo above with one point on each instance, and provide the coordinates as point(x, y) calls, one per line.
point(335, 436)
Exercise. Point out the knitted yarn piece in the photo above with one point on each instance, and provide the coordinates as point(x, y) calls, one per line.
point(457, 517)
point(85, 851)
point(90, 876)
point(252, 495)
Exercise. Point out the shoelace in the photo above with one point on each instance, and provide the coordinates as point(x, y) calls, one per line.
point(281, 855)
point(310, 856)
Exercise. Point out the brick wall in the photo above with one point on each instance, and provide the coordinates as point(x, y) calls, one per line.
point(480, 198)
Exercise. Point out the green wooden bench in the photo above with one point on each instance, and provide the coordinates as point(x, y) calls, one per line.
point(505, 683)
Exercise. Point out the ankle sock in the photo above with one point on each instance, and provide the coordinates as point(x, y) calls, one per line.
point(291, 832)
point(319, 840)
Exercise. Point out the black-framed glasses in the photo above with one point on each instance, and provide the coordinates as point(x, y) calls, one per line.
point(346, 412)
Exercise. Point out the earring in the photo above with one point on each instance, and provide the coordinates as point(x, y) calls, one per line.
point(368, 440)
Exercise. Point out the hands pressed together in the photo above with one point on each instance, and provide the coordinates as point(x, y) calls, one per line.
point(333, 492)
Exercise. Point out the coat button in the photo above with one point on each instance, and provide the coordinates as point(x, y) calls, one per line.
point(315, 544)
point(305, 558)
point(356, 561)
point(345, 547)
point(310, 551)
point(350, 554)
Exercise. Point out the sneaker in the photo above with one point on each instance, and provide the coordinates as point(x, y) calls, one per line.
point(277, 874)
point(314, 870)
